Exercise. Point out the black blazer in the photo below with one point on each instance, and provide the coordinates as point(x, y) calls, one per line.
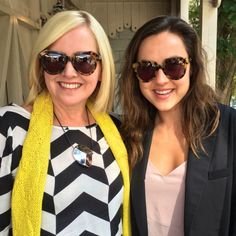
point(210, 188)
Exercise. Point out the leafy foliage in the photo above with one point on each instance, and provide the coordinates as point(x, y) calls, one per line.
point(226, 47)
point(194, 12)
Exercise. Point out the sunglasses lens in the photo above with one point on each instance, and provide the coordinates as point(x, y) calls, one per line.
point(84, 63)
point(145, 71)
point(175, 68)
point(53, 62)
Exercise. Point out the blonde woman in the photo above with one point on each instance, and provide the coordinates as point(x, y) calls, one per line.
point(64, 168)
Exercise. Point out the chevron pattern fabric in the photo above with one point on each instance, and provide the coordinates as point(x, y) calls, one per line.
point(77, 200)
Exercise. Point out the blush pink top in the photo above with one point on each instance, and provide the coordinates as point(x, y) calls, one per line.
point(165, 201)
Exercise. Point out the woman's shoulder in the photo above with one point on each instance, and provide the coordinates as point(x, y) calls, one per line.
point(14, 109)
point(228, 116)
point(224, 109)
point(233, 115)
point(14, 115)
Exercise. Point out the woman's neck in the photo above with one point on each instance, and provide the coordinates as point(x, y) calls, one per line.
point(169, 119)
point(79, 116)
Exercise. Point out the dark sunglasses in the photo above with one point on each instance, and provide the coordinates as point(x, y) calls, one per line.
point(174, 68)
point(54, 62)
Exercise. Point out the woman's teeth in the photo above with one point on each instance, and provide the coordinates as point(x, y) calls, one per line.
point(70, 86)
point(163, 92)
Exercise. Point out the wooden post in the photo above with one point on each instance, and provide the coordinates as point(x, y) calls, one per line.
point(209, 10)
point(184, 10)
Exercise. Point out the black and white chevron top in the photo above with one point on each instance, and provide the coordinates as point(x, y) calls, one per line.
point(77, 200)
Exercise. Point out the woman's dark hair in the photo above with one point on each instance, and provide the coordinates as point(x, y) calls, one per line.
point(199, 108)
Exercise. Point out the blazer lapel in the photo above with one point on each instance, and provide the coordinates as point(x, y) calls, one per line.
point(196, 178)
point(138, 188)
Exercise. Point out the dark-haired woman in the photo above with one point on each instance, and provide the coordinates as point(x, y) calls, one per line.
point(181, 142)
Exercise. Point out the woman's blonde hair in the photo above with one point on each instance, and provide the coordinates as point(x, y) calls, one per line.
point(57, 26)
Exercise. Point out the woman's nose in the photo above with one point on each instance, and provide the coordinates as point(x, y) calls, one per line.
point(160, 77)
point(69, 70)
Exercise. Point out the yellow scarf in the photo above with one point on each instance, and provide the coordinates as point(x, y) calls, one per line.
point(31, 176)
